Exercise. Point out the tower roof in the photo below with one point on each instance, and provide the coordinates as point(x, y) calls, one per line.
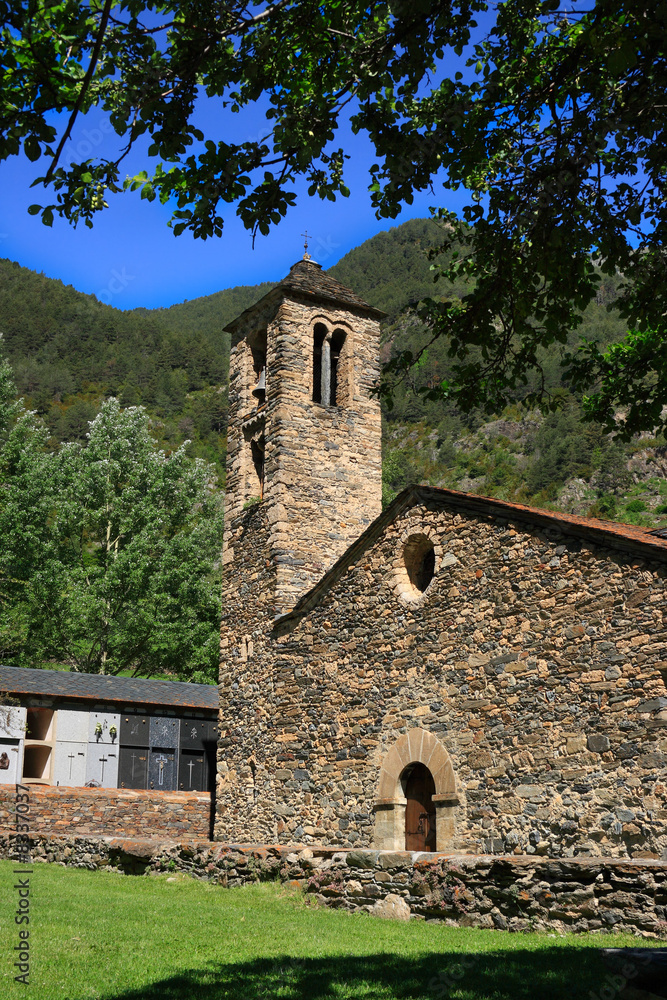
point(307, 280)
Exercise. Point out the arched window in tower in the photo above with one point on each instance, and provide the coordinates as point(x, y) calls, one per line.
point(257, 452)
point(330, 367)
point(258, 375)
point(319, 336)
point(336, 383)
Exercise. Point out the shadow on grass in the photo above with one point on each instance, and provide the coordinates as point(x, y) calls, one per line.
point(546, 974)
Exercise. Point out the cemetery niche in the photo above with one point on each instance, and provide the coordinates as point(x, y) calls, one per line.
point(134, 731)
point(133, 767)
point(198, 742)
point(102, 761)
point(162, 769)
point(55, 740)
point(12, 744)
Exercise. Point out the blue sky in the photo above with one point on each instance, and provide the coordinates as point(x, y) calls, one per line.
point(131, 258)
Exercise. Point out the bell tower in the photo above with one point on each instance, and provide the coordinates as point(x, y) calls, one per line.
point(304, 429)
point(303, 482)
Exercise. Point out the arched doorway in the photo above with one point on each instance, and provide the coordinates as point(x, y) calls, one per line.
point(419, 788)
point(416, 773)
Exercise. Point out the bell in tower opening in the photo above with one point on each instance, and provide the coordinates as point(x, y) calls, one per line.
point(259, 392)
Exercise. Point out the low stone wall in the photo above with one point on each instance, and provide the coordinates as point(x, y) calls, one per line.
point(512, 893)
point(119, 812)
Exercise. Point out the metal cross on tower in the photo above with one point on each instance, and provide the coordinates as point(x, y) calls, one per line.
point(306, 255)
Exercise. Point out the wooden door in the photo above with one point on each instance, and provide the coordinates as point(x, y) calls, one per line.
point(420, 811)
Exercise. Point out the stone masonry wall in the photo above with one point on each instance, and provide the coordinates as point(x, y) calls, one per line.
point(247, 611)
point(323, 463)
point(241, 483)
point(110, 812)
point(535, 659)
point(514, 893)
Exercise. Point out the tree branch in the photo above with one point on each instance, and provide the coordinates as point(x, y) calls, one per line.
point(82, 93)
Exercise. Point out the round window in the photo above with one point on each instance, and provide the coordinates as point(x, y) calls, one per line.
point(419, 559)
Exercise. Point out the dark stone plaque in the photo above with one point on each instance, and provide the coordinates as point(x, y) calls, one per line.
point(210, 752)
point(133, 767)
point(192, 771)
point(134, 731)
point(194, 732)
point(162, 769)
point(210, 763)
point(164, 731)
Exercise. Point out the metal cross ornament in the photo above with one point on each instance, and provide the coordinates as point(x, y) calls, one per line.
point(306, 255)
point(161, 761)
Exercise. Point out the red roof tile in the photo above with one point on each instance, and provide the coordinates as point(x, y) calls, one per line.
point(597, 528)
point(626, 537)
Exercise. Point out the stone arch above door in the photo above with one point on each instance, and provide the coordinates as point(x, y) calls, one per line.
point(415, 746)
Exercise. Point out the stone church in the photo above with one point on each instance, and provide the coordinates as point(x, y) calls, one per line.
point(453, 673)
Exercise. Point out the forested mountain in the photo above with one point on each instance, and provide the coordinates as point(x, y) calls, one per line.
point(70, 352)
point(391, 269)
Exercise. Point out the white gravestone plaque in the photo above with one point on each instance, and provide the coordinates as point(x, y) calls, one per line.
point(69, 763)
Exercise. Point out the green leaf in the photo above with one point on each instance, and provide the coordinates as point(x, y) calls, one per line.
point(32, 148)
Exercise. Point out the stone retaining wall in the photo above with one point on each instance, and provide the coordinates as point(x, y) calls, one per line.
point(512, 893)
point(111, 812)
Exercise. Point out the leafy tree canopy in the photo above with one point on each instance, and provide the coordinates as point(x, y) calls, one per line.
point(107, 550)
point(556, 128)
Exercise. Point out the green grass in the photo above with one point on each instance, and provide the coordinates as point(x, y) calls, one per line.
point(103, 935)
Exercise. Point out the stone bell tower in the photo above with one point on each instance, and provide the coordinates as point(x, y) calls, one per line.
point(304, 430)
point(303, 482)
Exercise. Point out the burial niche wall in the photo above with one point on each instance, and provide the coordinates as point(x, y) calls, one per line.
point(404, 817)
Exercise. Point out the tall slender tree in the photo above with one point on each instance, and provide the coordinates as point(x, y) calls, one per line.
point(108, 550)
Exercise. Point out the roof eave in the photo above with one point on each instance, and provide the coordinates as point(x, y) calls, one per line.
point(281, 292)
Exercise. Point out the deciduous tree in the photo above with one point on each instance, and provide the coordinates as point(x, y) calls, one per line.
point(112, 547)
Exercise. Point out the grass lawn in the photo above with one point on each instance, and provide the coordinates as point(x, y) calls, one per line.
point(103, 935)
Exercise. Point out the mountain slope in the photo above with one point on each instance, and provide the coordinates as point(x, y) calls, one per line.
point(70, 351)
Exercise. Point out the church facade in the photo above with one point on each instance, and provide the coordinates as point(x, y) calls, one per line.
point(453, 673)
